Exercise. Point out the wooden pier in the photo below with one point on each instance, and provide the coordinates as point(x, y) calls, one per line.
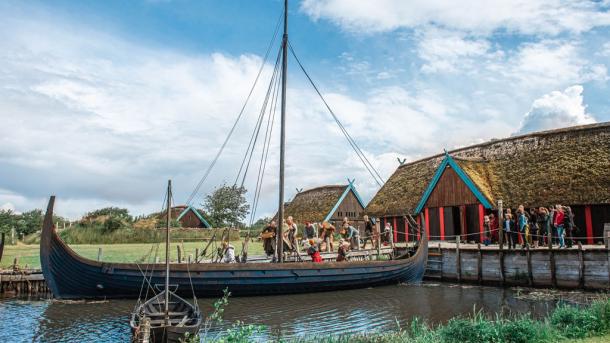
point(28, 282)
point(580, 267)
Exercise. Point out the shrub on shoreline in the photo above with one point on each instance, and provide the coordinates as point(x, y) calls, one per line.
point(565, 323)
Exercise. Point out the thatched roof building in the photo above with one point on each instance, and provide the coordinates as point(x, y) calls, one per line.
point(568, 166)
point(326, 203)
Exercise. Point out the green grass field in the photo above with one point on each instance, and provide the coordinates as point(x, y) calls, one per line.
point(29, 254)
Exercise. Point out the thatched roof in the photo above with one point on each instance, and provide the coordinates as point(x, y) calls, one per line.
point(314, 204)
point(568, 166)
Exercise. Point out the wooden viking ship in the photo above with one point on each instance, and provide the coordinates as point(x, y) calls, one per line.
point(69, 275)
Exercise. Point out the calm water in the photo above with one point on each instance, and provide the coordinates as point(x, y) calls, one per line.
point(365, 310)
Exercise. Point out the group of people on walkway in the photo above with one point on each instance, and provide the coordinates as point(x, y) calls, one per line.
point(537, 227)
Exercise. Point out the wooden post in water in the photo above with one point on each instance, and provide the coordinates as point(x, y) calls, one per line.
point(552, 260)
point(440, 251)
point(479, 264)
point(145, 332)
point(608, 258)
point(530, 276)
point(581, 267)
point(99, 254)
point(458, 259)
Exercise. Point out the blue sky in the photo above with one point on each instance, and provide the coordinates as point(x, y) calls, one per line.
point(102, 101)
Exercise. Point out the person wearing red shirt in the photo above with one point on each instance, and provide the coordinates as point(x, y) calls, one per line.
point(558, 222)
point(314, 252)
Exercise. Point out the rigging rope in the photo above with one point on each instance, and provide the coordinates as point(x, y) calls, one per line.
point(265, 149)
point(254, 138)
point(370, 168)
point(241, 112)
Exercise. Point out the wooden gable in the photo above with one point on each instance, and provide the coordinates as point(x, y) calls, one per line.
point(349, 207)
point(450, 190)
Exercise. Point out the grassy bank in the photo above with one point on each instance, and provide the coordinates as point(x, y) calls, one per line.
point(29, 253)
point(589, 324)
point(97, 235)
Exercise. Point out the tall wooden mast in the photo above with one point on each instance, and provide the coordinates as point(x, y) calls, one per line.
point(280, 224)
point(169, 218)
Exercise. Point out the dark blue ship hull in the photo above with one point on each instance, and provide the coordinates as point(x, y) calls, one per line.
point(69, 275)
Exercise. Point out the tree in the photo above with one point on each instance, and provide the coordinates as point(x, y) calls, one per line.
point(115, 212)
point(30, 222)
point(226, 206)
point(7, 221)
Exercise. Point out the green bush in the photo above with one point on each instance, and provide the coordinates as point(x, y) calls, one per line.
point(114, 223)
point(524, 329)
point(574, 322)
point(473, 330)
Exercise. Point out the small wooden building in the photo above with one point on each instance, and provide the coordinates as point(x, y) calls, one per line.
point(327, 203)
point(455, 189)
point(190, 217)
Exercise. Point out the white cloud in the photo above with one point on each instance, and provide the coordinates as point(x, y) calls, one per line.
point(550, 63)
point(447, 51)
point(7, 207)
point(522, 16)
point(555, 110)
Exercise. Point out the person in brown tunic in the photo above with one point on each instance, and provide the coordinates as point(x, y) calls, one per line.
point(328, 235)
point(268, 236)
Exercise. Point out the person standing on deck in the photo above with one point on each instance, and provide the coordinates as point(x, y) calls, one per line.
point(387, 233)
point(544, 225)
point(368, 231)
point(328, 235)
point(552, 216)
point(351, 234)
point(508, 226)
point(229, 253)
point(534, 229)
point(493, 224)
point(292, 232)
point(568, 226)
point(486, 231)
point(268, 235)
point(523, 227)
point(558, 222)
point(309, 232)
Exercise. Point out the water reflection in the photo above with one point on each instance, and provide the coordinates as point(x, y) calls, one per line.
point(364, 310)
